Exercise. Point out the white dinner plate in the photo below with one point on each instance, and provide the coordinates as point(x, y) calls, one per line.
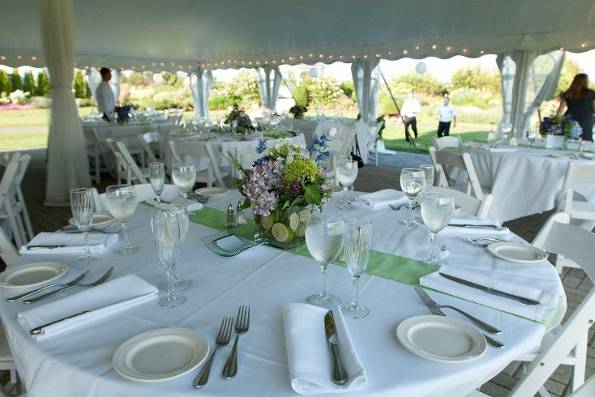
point(517, 252)
point(100, 220)
point(440, 338)
point(31, 275)
point(211, 191)
point(160, 354)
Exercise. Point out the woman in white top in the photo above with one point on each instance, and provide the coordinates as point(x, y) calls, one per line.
point(446, 116)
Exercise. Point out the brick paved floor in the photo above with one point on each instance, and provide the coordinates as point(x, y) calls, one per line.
point(371, 178)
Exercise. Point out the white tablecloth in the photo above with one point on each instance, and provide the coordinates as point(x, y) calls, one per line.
point(524, 181)
point(78, 364)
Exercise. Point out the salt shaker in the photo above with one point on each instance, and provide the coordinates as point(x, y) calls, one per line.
point(230, 219)
point(240, 219)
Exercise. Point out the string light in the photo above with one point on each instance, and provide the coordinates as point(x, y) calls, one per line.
point(434, 46)
point(448, 48)
point(464, 50)
point(481, 52)
point(3, 57)
point(19, 57)
point(389, 52)
point(583, 45)
point(561, 48)
point(365, 56)
point(34, 58)
point(340, 56)
point(417, 48)
point(404, 52)
point(321, 56)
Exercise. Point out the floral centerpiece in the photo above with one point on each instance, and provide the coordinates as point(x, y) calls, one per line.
point(283, 187)
point(123, 112)
point(560, 125)
point(239, 120)
point(297, 111)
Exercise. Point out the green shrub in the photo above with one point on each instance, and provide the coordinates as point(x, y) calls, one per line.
point(386, 104)
point(323, 91)
point(219, 102)
point(15, 81)
point(84, 102)
point(81, 89)
point(476, 78)
point(348, 89)
point(300, 95)
point(40, 102)
point(471, 97)
point(421, 83)
point(43, 84)
point(4, 83)
point(29, 83)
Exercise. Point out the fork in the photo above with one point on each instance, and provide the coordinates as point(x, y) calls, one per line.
point(95, 283)
point(242, 325)
point(477, 243)
point(430, 302)
point(398, 207)
point(49, 286)
point(222, 340)
point(436, 311)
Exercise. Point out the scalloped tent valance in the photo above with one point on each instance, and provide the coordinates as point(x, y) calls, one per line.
point(184, 34)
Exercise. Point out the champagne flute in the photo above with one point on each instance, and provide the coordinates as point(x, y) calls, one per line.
point(121, 202)
point(324, 239)
point(179, 284)
point(346, 172)
point(358, 239)
point(81, 205)
point(184, 177)
point(157, 178)
point(436, 212)
point(413, 181)
point(167, 223)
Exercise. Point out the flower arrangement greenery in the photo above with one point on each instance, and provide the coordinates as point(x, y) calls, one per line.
point(560, 125)
point(298, 111)
point(239, 120)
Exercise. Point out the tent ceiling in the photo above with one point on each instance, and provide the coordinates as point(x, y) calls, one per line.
point(179, 34)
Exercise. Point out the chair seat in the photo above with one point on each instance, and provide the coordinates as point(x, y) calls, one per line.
point(582, 210)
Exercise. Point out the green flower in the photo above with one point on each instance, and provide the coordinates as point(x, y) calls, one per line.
point(300, 170)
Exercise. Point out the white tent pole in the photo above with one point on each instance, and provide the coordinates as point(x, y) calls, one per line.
point(67, 165)
point(365, 74)
point(523, 61)
point(115, 83)
point(268, 86)
point(200, 85)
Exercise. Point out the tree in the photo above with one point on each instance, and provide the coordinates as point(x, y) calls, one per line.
point(569, 70)
point(43, 84)
point(29, 83)
point(15, 81)
point(422, 83)
point(4, 83)
point(476, 78)
point(81, 89)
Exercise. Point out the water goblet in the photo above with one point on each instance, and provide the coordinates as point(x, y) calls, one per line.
point(358, 240)
point(81, 205)
point(167, 223)
point(413, 181)
point(436, 212)
point(184, 177)
point(346, 172)
point(428, 170)
point(324, 239)
point(121, 202)
point(157, 179)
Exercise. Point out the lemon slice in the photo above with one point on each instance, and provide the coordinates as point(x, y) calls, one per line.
point(301, 231)
point(266, 222)
point(305, 216)
point(280, 232)
point(294, 221)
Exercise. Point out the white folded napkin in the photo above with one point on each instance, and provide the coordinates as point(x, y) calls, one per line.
point(468, 220)
point(499, 281)
point(100, 302)
point(382, 198)
point(72, 242)
point(309, 356)
point(501, 149)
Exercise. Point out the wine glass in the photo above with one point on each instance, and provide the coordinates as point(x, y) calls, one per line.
point(413, 181)
point(157, 178)
point(121, 202)
point(184, 177)
point(346, 172)
point(358, 239)
point(436, 212)
point(428, 170)
point(167, 223)
point(324, 239)
point(81, 205)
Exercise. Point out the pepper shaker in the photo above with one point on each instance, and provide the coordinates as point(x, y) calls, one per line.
point(230, 220)
point(240, 219)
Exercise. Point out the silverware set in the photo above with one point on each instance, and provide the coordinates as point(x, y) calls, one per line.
point(398, 207)
point(481, 242)
point(60, 287)
point(242, 325)
point(435, 308)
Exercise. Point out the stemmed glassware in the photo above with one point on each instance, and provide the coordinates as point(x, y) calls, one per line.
point(428, 170)
point(184, 177)
point(81, 205)
point(436, 212)
point(346, 172)
point(358, 239)
point(168, 223)
point(413, 181)
point(121, 202)
point(324, 239)
point(157, 179)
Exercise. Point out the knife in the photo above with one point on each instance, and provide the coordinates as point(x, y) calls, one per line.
point(41, 329)
point(36, 290)
point(492, 291)
point(477, 226)
point(339, 375)
point(49, 247)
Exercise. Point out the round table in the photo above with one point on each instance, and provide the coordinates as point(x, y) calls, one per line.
point(79, 363)
point(524, 181)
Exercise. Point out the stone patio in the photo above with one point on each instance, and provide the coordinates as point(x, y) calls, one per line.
point(371, 178)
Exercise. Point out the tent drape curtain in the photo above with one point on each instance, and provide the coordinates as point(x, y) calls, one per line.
point(93, 79)
point(200, 85)
point(269, 85)
point(67, 165)
point(366, 77)
point(520, 80)
point(115, 83)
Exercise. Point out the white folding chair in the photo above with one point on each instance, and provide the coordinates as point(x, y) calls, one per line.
point(122, 170)
point(202, 155)
point(586, 390)
point(445, 164)
point(146, 140)
point(139, 175)
point(467, 203)
point(129, 135)
point(373, 141)
point(447, 142)
point(8, 252)
point(94, 152)
point(12, 201)
point(567, 344)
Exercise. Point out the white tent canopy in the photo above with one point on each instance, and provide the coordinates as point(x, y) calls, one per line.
point(184, 34)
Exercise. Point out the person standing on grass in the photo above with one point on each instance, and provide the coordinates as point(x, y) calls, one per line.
point(411, 109)
point(446, 116)
point(106, 102)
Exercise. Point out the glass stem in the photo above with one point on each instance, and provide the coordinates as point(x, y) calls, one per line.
point(434, 245)
point(125, 232)
point(86, 237)
point(158, 197)
point(171, 279)
point(355, 302)
point(323, 270)
point(410, 210)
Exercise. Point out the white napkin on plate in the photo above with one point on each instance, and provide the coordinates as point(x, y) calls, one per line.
point(100, 302)
point(309, 356)
point(382, 198)
point(468, 220)
point(501, 282)
point(73, 242)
